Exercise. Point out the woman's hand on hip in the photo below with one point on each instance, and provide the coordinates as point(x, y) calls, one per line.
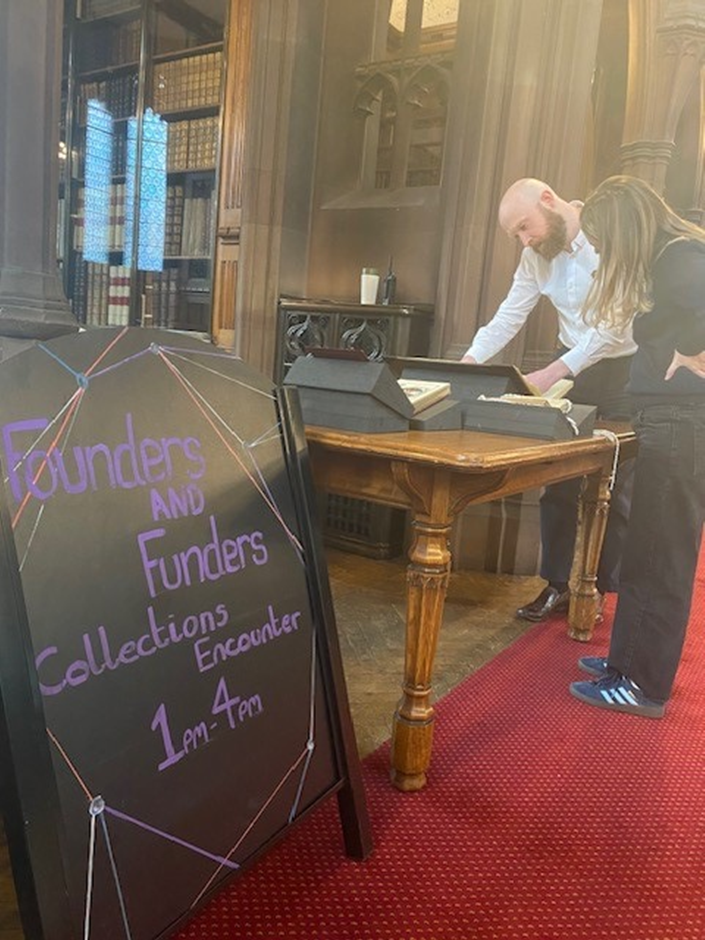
point(695, 364)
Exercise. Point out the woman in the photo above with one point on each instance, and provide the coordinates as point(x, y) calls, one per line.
point(652, 275)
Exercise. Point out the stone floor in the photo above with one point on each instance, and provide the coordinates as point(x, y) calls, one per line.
point(370, 603)
point(369, 600)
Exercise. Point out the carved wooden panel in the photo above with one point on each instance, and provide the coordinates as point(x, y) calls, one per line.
point(238, 51)
point(225, 293)
point(238, 54)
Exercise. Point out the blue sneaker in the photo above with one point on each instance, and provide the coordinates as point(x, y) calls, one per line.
point(619, 694)
point(594, 665)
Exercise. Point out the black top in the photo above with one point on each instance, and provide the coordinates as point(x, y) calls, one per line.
point(676, 322)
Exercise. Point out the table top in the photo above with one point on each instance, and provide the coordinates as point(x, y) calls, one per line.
point(468, 451)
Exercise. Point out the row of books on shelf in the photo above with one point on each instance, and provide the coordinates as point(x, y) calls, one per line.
point(162, 308)
point(113, 222)
point(197, 88)
point(192, 144)
point(101, 294)
point(101, 297)
point(175, 300)
point(191, 82)
point(188, 221)
point(118, 93)
point(180, 84)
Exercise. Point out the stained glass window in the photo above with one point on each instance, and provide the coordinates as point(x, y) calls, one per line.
point(151, 197)
point(98, 170)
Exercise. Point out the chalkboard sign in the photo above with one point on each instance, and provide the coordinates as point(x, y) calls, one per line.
point(170, 681)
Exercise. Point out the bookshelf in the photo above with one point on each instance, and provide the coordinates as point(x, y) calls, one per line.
point(142, 88)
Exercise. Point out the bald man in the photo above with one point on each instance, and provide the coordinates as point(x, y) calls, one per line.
point(558, 262)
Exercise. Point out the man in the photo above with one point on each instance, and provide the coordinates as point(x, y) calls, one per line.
point(558, 262)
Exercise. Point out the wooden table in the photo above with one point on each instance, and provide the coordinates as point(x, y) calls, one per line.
point(436, 475)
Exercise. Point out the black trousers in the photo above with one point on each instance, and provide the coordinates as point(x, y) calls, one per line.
point(602, 385)
point(662, 547)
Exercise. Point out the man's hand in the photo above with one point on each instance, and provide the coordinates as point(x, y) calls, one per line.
point(543, 379)
point(696, 364)
point(470, 359)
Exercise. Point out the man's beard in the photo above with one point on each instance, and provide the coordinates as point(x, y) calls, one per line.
point(556, 239)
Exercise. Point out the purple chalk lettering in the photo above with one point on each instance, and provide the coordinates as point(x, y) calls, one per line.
point(148, 564)
point(13, 456)
point(130, 463)
point(209, 653)
point(98, 652)
point(192, 447)
point(48, 690)
point(155, 460)
point(128, 450)
point(198, 563)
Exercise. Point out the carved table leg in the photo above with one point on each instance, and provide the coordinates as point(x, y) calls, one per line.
point(592, 521)
point(427, 582)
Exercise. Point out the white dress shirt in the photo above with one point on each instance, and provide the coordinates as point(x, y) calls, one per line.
point(565, 281)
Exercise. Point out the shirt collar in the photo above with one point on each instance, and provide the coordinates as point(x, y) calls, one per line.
point(580, 241)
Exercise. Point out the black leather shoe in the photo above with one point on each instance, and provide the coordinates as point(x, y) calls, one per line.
point(550, 601)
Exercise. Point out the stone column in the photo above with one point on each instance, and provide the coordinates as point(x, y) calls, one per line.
point(648, 159)
point(278, 162)
point(666, 55)
point(32, 302)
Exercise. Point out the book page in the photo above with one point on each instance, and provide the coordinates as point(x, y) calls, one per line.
point(423, 392)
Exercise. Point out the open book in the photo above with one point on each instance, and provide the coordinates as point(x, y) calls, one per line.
point(423, 392)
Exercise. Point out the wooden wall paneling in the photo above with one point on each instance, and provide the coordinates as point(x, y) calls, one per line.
point(521, 109)
point(472, 177)
point(238, 53)
point(268, 119)
point(225, 274)
point(558, 135)
point(602, 156)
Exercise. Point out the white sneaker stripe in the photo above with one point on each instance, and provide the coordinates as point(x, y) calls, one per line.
point(619, 695)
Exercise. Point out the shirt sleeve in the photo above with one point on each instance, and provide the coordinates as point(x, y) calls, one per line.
point(511, 314)
point(596, 344)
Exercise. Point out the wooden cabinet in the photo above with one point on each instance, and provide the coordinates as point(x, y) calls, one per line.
point(378, 330)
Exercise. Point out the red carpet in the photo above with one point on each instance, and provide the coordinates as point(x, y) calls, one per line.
point(544, 819)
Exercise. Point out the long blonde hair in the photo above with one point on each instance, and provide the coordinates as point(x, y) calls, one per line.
point(629, 224)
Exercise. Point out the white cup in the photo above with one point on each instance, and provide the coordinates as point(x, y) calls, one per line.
point(369, 285)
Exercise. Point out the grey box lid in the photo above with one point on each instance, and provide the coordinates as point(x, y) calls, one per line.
point(374, 379)
point(549, 424)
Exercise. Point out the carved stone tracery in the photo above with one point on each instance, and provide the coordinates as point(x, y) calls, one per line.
point(400, 96)
point(667, 52)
